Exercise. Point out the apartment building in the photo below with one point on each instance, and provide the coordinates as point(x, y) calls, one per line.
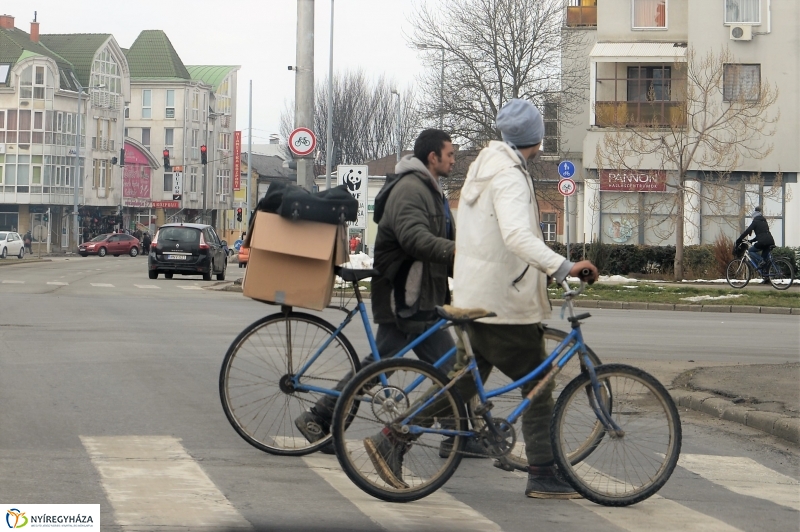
point(633, 51)
point(43, 129)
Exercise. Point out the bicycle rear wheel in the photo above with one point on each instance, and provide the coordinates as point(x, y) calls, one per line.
point(621, 470)
point(781, 274)
point(373, 449)
point(505, 404)
point(254, 382)
point(737, 273)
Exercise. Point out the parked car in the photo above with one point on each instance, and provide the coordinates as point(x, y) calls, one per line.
point(11, 244)
point(187, 249)
point(110, 244)
point(244, 256)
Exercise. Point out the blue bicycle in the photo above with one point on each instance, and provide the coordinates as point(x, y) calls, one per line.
point(778, 271)
point(615, 432)
point(282, 364)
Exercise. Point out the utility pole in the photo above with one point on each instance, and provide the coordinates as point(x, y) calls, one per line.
point(304, 85)
point(249, 154)
point(329, 133)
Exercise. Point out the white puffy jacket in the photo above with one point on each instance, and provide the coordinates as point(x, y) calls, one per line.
point(498, 236)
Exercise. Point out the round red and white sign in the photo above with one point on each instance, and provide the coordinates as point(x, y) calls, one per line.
point(302, 141)
point(566, 187)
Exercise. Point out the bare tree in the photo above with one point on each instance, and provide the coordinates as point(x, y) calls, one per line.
point(482, 53)
point(700, 124)
point(364, 119)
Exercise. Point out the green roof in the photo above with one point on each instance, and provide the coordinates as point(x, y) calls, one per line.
point(211, 74)
point(16, 45)
point(77, 48)
point(151, 56)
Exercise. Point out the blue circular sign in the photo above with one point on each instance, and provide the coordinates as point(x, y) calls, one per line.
point(566, 169)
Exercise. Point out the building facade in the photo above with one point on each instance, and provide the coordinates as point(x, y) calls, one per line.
point(634, 50)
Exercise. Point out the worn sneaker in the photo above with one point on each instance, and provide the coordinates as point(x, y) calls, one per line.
point(314, 429)
point(546, 483)
point(471, 449)
point(386, 455)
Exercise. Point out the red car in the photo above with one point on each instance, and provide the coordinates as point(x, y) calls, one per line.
point(113, 243)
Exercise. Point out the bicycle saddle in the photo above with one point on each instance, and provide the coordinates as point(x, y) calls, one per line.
point(351, 275)
point(463, 315)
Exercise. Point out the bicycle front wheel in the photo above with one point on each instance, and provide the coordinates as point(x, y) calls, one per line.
point(382, 457)
point(506, 403)
point(622, 469)
point(781, 274)
point(737, 273)
point(255, 382)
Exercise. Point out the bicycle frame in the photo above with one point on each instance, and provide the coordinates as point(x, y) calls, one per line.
point(361, 309)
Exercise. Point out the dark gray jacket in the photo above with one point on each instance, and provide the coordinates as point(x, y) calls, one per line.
point(412, 250)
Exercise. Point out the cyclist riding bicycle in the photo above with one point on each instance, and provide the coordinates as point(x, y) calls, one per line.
point(762, 241)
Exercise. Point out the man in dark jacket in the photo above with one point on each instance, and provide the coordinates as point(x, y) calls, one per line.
point(414, 253)
point(762, 241)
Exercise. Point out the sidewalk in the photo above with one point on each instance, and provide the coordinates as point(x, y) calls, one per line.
point(762, 396)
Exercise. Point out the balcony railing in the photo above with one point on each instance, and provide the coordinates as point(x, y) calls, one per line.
point(629, 114)
point(579, 13)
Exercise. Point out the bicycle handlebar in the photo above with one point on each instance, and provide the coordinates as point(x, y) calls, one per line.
point(569, 293)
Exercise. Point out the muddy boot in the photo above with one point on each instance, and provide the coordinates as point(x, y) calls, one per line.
point(544, 482)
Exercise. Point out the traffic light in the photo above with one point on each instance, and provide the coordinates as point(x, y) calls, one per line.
point(203, 154)
point(122, 156)
point(239, 214)
point(45, 217)
point(167, 166)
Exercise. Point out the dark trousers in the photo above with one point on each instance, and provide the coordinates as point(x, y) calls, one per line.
point(390, 340)
point(516, 350)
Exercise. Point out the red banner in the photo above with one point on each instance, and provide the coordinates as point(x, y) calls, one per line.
point(237, 160)
point(166, 205)
point(633, 180)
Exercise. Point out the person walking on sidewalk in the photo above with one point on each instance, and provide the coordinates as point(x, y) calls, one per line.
point(502, 265)
point(414, 252)
point(762, 241)
point(26, 241)
point(146, 241)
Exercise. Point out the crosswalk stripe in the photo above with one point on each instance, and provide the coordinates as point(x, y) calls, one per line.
point(153, 484)
point(745, 476)
point(102, 285)
point(147, 286)
point(190, 287)
point(439, 511)
point(58, 283)
point(7, 281)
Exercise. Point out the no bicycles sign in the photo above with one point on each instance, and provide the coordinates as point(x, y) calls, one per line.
point(302, 141)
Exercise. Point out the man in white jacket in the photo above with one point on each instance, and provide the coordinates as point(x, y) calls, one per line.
point(502, 264)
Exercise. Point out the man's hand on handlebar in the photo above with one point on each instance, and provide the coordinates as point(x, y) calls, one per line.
point(585, 271)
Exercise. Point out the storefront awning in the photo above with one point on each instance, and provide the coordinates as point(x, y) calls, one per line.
point(643, 52)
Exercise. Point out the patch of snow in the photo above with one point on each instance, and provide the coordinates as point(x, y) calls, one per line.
point(704, 281)
point(709, 298)
point(628, 286)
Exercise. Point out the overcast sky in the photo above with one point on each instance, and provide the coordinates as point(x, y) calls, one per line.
point(258, 35)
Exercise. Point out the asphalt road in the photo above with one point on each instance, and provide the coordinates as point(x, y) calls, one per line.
point(109, 387)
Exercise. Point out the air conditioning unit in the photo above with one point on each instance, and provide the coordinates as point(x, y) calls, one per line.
point(741, 33)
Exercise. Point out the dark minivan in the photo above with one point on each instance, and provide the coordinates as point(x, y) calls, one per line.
point(187, 249)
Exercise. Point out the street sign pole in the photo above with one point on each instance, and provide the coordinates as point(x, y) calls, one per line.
point(566, 223)
point(566, 170)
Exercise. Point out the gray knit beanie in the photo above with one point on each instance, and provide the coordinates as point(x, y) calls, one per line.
point(520, 123)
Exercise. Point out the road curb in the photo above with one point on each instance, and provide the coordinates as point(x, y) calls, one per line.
point(631, 305)
point(8, 262)
point(780, 426)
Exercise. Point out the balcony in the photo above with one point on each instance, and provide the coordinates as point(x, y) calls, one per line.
point(631, 114)
point(581, 13)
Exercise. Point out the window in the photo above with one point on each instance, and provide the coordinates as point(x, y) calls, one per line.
point(742, 11)
point(195, 150)
point(549, 226)
point(106, 76)
point(170, 110)
point(168, 182)
point(649, 14)
point(146, 137)
point(169, 137)
point(101, 171)
point(5, 68)
point(224, 141)
point(38, 83)
point(550, 140)
point(193, 179)
point(127, 112)
point(195, 106)
point(26, 83)
point(147, 103)
point(741, 82)
point(648, 84)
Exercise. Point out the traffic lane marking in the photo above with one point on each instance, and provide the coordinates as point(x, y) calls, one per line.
point(8, 281)
point(102, 285)
point(147, 286)
point(745, 476)
point(58, 283)
point(438, 511)
point(154, 484)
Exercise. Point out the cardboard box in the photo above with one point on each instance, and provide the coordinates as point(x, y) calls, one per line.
point(291, 262)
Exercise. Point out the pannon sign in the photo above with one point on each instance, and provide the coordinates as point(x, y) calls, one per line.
point(633, 180)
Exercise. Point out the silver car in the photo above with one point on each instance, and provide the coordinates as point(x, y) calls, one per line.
point(11, 244)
